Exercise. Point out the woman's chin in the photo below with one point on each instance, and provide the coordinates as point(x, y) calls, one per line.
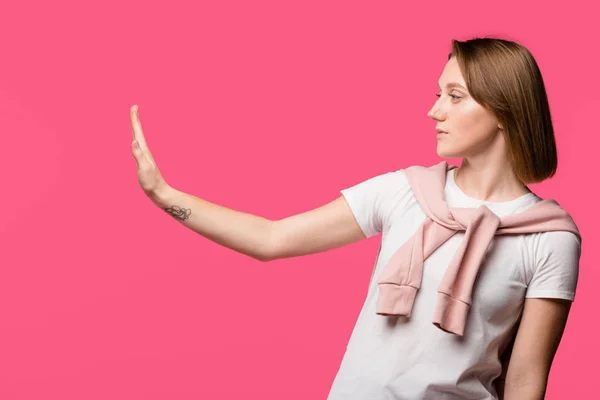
point(447, 153)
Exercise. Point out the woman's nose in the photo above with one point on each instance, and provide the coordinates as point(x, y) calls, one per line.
point(435, 112)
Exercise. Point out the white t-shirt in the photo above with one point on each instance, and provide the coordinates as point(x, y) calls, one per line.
point(397, 358)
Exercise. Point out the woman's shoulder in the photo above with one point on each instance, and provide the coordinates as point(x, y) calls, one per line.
point(556, 247)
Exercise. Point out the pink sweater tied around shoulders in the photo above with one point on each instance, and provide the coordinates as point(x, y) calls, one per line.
point(401, 279)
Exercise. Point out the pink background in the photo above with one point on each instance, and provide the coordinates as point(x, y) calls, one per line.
point(266, 107)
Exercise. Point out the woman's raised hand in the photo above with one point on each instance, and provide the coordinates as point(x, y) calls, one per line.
point(149, 176)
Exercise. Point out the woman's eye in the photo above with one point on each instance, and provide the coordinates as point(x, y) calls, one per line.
point(454, 97)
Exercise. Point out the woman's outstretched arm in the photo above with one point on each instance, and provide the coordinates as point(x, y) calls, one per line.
point(327, 227)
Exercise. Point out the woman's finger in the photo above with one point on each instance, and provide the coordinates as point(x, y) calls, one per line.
point(138, 133)
point(136, 125)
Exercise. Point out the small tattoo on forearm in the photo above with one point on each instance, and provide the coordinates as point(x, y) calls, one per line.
point(177, 212)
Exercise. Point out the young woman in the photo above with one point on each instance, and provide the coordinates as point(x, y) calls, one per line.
point(495, 266)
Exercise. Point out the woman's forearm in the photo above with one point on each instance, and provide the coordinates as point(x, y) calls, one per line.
point(242, 232)
point(535, 390)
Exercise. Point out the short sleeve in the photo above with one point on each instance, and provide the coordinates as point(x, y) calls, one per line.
point(373, 200)
point(557, 256)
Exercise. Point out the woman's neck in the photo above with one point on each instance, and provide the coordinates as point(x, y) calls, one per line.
point(489, 182)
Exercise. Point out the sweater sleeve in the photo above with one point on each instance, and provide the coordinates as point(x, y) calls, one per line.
point(372, 201)
point(557, 266)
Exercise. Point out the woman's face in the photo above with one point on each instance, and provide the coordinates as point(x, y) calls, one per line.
point(470, 128)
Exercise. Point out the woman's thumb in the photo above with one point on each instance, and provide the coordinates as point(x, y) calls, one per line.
point(137, 152)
